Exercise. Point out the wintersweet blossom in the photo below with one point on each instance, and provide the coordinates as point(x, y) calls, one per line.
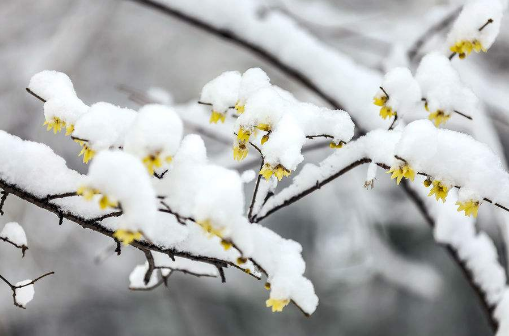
point(277, 304)
point(207, 226)
point(240, 108)
point(470, 207)
point(336, 145)
point(226, 244)
point(126, 237)
point(279, 171)
point(107, 202)
point(86, 151)
point(438, 117)
point(240, 151)
point(56, 124)
point(87, 192)
point(440, 190)
point(385, 111)
point(464, 48)
point(154, 161)
point(398, 172)
point(217, 116)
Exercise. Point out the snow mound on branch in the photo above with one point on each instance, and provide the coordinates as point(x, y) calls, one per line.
point(222, 91)
point(14, 233)
point(104, 126)
point(443, 88)
point(184, 265)
point(34, 167)
point(455, 159)
point(403, 90)
point(61, 99)
point(23, 295)
point(157, 129)
point(136, 278)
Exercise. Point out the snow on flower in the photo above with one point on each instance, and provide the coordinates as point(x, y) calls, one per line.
point(154, 136)
point(398, 94)
point(476, 28)
point(454, 159)
point(222, 94)
point(122, 180)
point(443, 91)
point(62, 107)
point(104, 126)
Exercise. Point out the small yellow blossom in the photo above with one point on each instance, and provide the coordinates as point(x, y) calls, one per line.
point(87, 192)
point(380, 101)
point(470, 207)
point(168, 159)
point(336, 145)
point(247, 270)
point(277, 305)
point(56, 124)
point(226, 244)
point(465, 47)
point(402, 171)
point(240, 108)
point(126, 237)
point(216, 116)
point(241, 261)
point(206, 225)
point(265, 138)
point(440, 190)
point(267, 286)
point(427, 182)
point(69, 129)
point(438, 117)
point(279, 171)
point(387, 112)
point(87, 153)
point(240, 151)
point(105, 202)
point(152, 162)
point(243, 134)
point(264, 127)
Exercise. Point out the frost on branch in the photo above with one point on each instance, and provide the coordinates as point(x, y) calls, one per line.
point(477, 27)
point(14, 234)
point(273, 119)
point(453, 159)
point(443, 90)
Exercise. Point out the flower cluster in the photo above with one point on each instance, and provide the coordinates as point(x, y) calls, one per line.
point(465, 48)
point(401, 171)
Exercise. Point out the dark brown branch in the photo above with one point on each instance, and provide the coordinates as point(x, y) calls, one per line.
point(151, 266)
point(255, 194)
point(2, 201)
point(36, 95)
point(463, 115)
point(221, 274)
point(319, 136)
point(57, 196)
point(14, 287)
point(393, 122)
point(486, 24)
point(23, 248)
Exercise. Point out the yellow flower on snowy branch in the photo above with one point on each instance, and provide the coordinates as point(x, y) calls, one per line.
point(279, 171)
point(240, 108)
point(86, 151)
point(217, 116)
point(154, 161)
point(470, 207)
point(206, 225)
point(56, 124)
point(243, 134)
point(400, 172)
point(277, 304)
point(87, 192)
point(440, 190)
point(385, 111)
point(106, 202)
point(69, 129)
point(336, 145)
point(240, 151)
point(464, 48)
point(126, 237)
point(438, 117)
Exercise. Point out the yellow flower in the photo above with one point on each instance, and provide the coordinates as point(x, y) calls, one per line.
point(87, 153)
point(380, 101)
point(387, 112)
point(265, 138)
point(241, 261)
point(69, 129)
point(206, 225)
point(243, 134)
point(152, 162)
point(127, 237)
point(240, 108)
point(438, 117)
point(402, 171)
point(470, 207)
point(105, 202)
point(264, 127)
point(216, 116)
point(87, 192)
point(427, 182)
point(277, 305)
point(267, 286)
point(440, 190)
point(336, 145)
point(56, 124)
point(465, 47)
point(279, 171)
point(226, 244)
point(240, 151)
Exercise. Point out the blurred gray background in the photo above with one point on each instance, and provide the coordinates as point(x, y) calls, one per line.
point(376, 268)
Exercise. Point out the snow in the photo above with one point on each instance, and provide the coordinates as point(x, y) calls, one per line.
point(455, 159)
point(222, 92)
point(163, 261)
point(14, 233)
point(23, 295)
point(443, 88)
point(403, 90)
point(136, 278)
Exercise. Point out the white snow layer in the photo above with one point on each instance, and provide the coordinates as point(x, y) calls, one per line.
point(23, 295)
point(14, 233)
